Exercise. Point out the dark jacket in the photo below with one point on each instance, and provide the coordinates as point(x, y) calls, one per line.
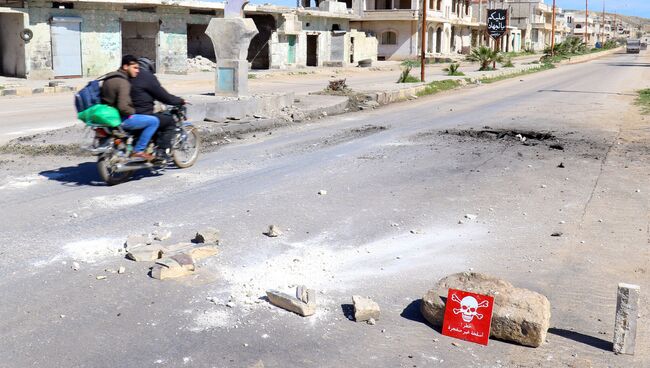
point(116, 92)
point(146, 89)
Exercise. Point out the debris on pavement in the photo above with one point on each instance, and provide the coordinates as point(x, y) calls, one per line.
point(365, 309)
point(322, 192)
point(172, 267)
point(557, 234)
point(101, 277)
point(561, 165)
point(75, 266)
point(208, 235)
point(470, 216)
point(133, 241)
point(146, 253)
point(161, 235)
point(303, 304)
point(520, 315)
point(121, 270)
point(273, 232)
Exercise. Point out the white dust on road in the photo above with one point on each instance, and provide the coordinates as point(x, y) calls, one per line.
point(326, 268)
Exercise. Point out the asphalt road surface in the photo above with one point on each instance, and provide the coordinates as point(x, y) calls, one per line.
point(399, 182)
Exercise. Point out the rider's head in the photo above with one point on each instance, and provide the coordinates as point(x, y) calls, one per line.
point(130, 65)
point(146, 64)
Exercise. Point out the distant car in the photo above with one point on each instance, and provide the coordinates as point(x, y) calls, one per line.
point(633, 46)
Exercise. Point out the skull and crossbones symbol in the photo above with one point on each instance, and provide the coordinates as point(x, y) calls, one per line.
point(469, 307)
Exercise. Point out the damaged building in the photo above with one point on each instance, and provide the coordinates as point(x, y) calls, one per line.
point(44, 39)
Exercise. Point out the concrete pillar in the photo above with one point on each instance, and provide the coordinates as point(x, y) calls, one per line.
point(627, 312)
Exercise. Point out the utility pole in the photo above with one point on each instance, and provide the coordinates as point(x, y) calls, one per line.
point(553, 32)
point(602, 31)
point(423, 37)
point(586, 22)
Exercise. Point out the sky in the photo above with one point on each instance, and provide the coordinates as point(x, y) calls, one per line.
point(639, 8)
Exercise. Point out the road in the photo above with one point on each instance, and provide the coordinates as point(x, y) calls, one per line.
point(399, 181)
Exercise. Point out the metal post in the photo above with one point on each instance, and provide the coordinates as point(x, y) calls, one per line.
point(424, 34)
point(586, 22)
point(553, 32)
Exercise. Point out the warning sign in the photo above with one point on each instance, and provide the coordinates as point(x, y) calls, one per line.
point(468, 316)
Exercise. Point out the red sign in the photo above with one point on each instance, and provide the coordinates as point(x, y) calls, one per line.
point(468, 316)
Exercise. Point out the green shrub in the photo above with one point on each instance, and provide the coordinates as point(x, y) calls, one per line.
point(484, 56)
point(453, 70)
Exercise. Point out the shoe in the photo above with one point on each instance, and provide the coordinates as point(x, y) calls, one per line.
point(143, 155)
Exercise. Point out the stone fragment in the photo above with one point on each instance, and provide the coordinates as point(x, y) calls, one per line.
point(134, 241)
point(557, 234)
point(365, 309)
point(161, 235)
point(273, 232)
point(322, 192)
point(627, 312)
point(305, 306)
point(470, 216)
point(145, 253)
point(75, 266)
point(519, 315)
point(199, 253)
point(207, 235)
point(101, 277)
point(172, 267)
point(121, 270)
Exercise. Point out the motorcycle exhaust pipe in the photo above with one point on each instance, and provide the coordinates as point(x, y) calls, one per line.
point(124, 168)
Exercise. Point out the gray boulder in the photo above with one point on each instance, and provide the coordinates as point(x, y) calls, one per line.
point(519, 315)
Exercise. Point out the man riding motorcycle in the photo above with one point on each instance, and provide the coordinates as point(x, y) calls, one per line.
point(116, 92)
point(145, 90)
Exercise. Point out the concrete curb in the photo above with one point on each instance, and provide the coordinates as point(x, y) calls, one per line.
point(27, 91)
point(589, 57)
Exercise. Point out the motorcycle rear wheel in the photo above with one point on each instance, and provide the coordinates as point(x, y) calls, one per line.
point(185, 153)
point(107, 174)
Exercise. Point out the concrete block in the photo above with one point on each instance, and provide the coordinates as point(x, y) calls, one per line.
point(8, 92)
point(207, 235)
point(145, 253)
point(305, 306)
point(627, 312)
point(365, 309)
point(23, 91)
point(36, 91)
point(172, 267)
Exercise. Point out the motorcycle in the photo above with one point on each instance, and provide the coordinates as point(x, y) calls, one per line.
point(114, 146)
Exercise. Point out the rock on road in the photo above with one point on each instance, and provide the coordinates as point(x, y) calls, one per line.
point(399, 182)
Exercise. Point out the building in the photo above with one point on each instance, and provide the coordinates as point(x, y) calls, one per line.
point(44, 39)
point(510, 42)
point(535, 20)
point(397, 26)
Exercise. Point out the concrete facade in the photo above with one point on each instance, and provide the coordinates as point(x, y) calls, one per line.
point(168, 33)
point(397, 26)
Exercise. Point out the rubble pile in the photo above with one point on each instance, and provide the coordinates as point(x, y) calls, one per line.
point(172, 260)
point(200, 64)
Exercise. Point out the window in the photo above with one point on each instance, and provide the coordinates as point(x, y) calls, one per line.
point(59, 5)
point(389, 38)
point(578, 26)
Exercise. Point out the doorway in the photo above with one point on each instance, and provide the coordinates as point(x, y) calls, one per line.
point(140, 39)
point(291, 54)
point(198, 43)
point(439, 40)
point(259, 54)
point(12, 48)
point(66, 47)
point(312, 50)
point(430, 41)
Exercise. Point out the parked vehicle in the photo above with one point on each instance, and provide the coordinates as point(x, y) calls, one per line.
point(113, 146)
point(633, 46)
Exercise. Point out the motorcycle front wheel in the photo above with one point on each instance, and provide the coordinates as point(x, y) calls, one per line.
point(108, 175)
point(186, 148)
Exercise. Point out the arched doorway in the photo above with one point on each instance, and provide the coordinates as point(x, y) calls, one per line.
point(439, 40)
point(430, 41)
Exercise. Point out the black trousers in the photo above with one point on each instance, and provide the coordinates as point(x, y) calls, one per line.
point(166, 130)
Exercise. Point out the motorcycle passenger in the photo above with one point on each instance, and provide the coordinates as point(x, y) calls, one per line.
point(145, 90)
point(116, 92)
